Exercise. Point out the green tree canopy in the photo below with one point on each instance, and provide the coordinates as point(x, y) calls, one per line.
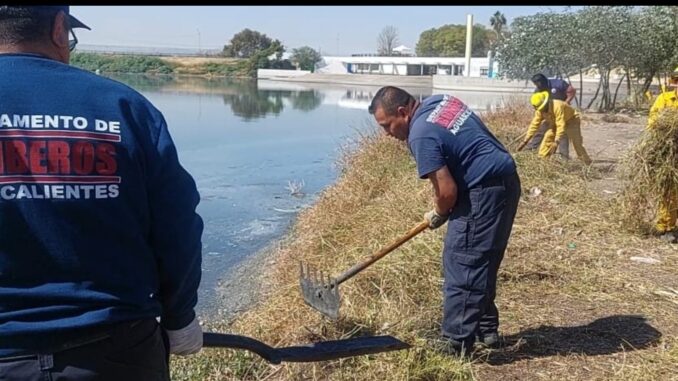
point(539, 43)
point(653, 49)
point(450, 41)
point(261, 58)
point(305, 57)
point(640, 41)
point(246, 43)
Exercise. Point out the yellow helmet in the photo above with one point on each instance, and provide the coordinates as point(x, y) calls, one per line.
point(539, 100)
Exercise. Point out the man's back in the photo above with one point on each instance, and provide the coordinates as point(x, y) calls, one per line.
point(472, 152)
point(564, 110)
point(90, 194)
point(558, 88)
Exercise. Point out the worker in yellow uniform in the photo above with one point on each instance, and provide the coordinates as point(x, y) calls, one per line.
point(668, 204)
point(563, 121)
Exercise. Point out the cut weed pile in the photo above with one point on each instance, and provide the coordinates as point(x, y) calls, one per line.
point(651, 170)
point(572, 304)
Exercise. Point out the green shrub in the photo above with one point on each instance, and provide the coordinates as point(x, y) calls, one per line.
point(121, 64)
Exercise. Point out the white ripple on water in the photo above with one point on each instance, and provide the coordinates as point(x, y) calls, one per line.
point(258, 228)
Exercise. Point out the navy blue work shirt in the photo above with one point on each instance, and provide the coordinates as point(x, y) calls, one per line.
point(97, 214)
point(445, 131)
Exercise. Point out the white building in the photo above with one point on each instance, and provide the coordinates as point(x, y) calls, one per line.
point(403, 50)
point(403, 65)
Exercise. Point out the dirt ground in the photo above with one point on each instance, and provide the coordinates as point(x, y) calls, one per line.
point(622, 324)
point(607, 138)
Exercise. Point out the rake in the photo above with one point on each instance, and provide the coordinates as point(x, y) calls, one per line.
point(321, 292)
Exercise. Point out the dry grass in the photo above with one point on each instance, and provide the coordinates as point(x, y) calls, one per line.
point(195, 61)
point(573, 306)
point(651, 170)
point(510, 123)
point(208, 66)
point(613, 118)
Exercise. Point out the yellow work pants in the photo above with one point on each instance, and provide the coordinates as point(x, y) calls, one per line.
point(668, 212)
point(573, 131)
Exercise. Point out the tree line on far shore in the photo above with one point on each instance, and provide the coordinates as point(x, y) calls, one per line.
point(445, 41)
point(637, 42)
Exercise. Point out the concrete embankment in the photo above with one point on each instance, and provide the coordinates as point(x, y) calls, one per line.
point(443, 82)
point(352, 79)
point(435, 83)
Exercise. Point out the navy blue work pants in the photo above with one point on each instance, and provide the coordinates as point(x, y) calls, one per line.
point(477, 234)
point(133, 351)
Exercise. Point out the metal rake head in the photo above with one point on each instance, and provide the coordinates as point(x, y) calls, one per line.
point(320, 291)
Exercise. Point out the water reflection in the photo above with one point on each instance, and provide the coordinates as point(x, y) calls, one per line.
point(146, 82)
point(307, 100)
point(245, 97)
point(252, 99)
point(251, 102)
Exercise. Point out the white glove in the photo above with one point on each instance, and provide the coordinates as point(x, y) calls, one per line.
point(187, 340)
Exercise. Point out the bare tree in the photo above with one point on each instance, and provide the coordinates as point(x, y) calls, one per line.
point(387, 40)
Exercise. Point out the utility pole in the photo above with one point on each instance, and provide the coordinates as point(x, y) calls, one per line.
point(199, 48)
point(469, 37)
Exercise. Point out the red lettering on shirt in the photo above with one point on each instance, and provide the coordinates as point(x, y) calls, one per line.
point(15, 156)
point(82, 158)
point(58, 153)
point(107, 165)
point(37, 156)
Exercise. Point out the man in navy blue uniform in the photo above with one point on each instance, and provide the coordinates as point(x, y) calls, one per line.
point(99, 231)
point(476, 189)
point(561, 90)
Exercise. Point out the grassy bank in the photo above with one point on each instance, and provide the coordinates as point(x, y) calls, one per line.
point(572, 304)
point(111, 63)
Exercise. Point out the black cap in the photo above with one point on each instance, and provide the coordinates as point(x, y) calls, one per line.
point(73, 22)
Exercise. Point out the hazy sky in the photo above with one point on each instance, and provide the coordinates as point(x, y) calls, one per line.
point(332, 29)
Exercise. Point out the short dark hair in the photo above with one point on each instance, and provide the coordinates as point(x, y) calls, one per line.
point(541, 81)
point(389, 98)
point(25, 23)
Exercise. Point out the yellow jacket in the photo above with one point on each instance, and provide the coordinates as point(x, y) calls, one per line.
point(664, 100)
point(558, 115)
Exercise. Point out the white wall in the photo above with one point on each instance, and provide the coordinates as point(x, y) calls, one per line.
point(339, 65)
point(331, 67)
point(447, 82)
point(273, 73)
point(401, 69)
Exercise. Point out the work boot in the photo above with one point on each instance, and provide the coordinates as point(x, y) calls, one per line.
point(488, 340)
point(451, 347)
point(669, 237)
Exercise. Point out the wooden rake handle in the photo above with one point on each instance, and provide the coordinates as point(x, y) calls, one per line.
point(381, 253)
